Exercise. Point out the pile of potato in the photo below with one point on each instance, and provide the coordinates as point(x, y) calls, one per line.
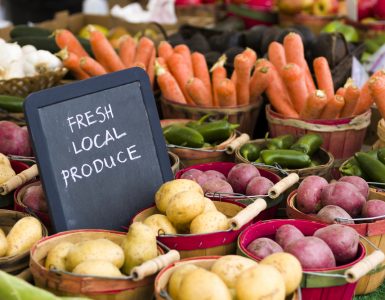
point(237, 277)
point(21, 237)
point(102, 257)
point(184, 209)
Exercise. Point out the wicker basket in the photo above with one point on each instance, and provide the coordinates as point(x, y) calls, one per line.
point(17, 263)
point(325, 158)
point(24, 86)
point(374, 232)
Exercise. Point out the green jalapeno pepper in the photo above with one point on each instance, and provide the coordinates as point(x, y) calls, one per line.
point(308, 144)
point(374, 168)
point(250, 151)
point(290, 159)
point(280, 142)
point(216, 131)
point(381, 155)
point(183, 136)
point(352, 168)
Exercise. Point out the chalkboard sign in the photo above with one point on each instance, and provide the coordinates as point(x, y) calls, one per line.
point(99, 148)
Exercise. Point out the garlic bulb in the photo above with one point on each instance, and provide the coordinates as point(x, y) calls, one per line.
point(14, 70)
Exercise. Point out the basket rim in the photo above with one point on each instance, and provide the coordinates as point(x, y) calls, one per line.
point(59, 71)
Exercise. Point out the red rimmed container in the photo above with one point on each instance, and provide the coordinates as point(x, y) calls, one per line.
point(313, 287)
point(374, 232)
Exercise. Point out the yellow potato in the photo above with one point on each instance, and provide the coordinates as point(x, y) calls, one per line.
point(56, 257)
point(259, 283)
point(177, 277)
point(209, 205)
point(209, 222)
point(97, 268)
point(184, 207)
point(229, 267)
point(3, 243)
point(289, 267)
point(139, 246)
point(202, 284)
point(99, 249)
point(6, 171)
point(170, 188)
point(23, 235)
point(160, 224)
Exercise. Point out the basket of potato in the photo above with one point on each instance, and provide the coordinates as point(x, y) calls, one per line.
point(100, 263)
point(18, 232)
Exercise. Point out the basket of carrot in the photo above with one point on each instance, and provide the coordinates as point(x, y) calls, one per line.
point(299, 106)
point(376, 86)
point(190, 90)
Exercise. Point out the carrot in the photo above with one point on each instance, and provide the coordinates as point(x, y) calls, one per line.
point(258, 82)
point(104, 53)
point(143, 51)
point(139, 65)
point(91, 66)
point(198, 92)
point(182, 73)
point(333, 108)
point(183, 50)
point(242, 68)
point(323, 76)
point(218, 74)
point(276, 54)
point(262, 62)
point(168, 85)
point(377, 91)
point(225, 91)
point(151, 67)
point(351, 95)
point(127, 49)
point(251, 56)
point(294, 52)
point(165, 50)
point(66, 39)
point(71, 62)
point(201, 71)
point(293, 76)
point(315, 103)
point(162, 62)
point(341, 91)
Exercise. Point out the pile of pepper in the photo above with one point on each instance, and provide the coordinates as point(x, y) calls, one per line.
point(199, 134)
point(368, 165)
point(284, 151)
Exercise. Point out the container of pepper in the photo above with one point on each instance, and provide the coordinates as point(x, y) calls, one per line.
point(287, 154)
point(202, 141)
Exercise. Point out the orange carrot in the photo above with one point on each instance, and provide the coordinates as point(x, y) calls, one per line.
point(294, 79)
point(262, 62)
point(351, 95)
point(333, 108)
point(323, 76)
point(165, 50)
point(201, 71)
point(251, 56)
point(294, 52)
point(127, 49)
point(183, 50)
point(91, 66)
point(139, 65)
point(242, 69)
point(225, 91)
point(182, 73)
point(104, 53)
point(162, 62)
point(143, 51)
point(218, 74)
point(377, 91)
point(66, 39)
point(71, 62)
point(277, 82)
point(168, 85)
point(198, 92)
point(315, 104)
point(341, 91)
point(276, 54)
point(151, 67)
point(258, 82)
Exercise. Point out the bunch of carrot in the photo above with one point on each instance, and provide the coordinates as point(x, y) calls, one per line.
point(292, 91)
point(130, 54)
point(184, 77)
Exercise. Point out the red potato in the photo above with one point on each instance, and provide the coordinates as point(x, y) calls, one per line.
point(309, 194)
point(312, 253)
point(215, 174)
point(258, 186)
point(287, 234)
point(342, 240)
point(329, 213)
point(202, 178)
point(361, 185)
point(240, 175)
point(216, 185)
point(263, 247)
point(34, 198)
point(373, 208)
point(14, 139)
point(191, 174)
point(344, 195)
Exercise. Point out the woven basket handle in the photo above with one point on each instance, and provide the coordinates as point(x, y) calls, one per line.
point(282, 185)
point(247, 214)
point(19, 179)
point(154, 265)
point(238, 142)
point(364, 266)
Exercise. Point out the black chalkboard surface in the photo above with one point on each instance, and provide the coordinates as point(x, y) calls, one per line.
point(99, 148)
